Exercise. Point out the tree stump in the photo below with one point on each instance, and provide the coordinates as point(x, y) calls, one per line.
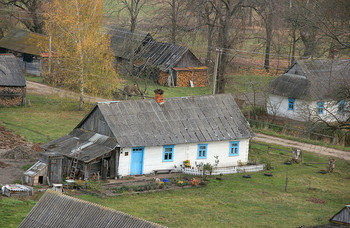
point(331, 165)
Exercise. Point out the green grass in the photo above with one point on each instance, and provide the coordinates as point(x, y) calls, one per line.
point(47, 118)
point(33, 78)
point(256, 202)
point(234, 201)
point(13, 211)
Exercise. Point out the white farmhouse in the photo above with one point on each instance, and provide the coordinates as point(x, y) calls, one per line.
point(136, 137)
point(311, 90)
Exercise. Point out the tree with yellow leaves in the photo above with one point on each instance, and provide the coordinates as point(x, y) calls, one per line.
point(84, 58)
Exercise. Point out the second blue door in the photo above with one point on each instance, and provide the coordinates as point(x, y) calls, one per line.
point(137, 161)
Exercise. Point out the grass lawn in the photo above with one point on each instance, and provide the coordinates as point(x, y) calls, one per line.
point(33, 78)
point(47, 118)
point(312, 198)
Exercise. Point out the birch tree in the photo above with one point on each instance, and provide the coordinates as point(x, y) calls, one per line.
point(83, 50)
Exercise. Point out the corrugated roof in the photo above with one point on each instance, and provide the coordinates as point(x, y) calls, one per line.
point(313, 79)
point(35, 169)
point(10, 71)
point(179, 120)
point(91, 144)
point(58, 210)
point(24, 42)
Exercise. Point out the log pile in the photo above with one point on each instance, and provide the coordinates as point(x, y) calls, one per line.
point(199, 78)
point(163, 77)
point(11, 96)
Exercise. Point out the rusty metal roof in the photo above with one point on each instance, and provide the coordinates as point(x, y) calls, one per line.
point(58, 210)
point(25, 42)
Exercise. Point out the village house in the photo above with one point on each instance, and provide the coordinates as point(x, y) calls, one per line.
point(12, 81)
point(136, 137)
point(27, 47)
point(167, 64)
point(311, 90)
point(58, 210)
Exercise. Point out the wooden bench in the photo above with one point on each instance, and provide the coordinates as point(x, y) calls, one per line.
point(156, 171)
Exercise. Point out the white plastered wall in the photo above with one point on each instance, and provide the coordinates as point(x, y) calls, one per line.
point(303, 110)
point(153, 156)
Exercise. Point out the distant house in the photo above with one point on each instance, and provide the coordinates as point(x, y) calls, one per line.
point(58, 210)
point(137, 137)
point(311, 89)
point(27, 46)
point(12, 81)
point(167, 64)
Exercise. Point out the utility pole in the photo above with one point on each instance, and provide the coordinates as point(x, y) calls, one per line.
point(50, 56)
point(218, 54)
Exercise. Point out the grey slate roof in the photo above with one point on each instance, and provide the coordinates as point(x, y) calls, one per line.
point(58, 210)
point(92, 145)
point(313, 79)
point(10, 71)
point(121, 39)
point(179, 120)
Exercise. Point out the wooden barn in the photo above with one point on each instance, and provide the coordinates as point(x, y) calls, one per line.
point(176, 65)
point(58, 210)
point(167, 64)
point(26, 46)
point(12, 81)
point(137, 137)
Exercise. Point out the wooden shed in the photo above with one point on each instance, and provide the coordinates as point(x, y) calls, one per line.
point(176, 65)
point(12, 81)
point(26, 46)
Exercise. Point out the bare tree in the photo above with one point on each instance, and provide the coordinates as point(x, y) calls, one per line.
point(28, 12)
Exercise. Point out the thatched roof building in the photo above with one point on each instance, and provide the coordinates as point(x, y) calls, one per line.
point(313, 79)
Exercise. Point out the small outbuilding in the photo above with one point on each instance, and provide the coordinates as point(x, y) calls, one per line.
point(12, 81)
point(16, 190)
point(58, 210)
point(342, 217)
point(27, 47)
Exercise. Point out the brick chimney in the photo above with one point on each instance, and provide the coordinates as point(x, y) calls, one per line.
point(158, 96)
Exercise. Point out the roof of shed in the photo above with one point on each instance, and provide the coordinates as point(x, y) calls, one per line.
point(35, 169)
point(342, 217)
point(161, 55)
point(121, 40)
point(24, 42)
point(91, 144)
point(314, 79)
point(179, 120)
point(10, 71)
point(58, 210)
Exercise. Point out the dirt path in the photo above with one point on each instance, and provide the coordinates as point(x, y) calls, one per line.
point(303, 146)
point(40, 89)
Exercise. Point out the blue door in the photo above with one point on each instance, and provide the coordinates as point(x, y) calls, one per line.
point(137, 161)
